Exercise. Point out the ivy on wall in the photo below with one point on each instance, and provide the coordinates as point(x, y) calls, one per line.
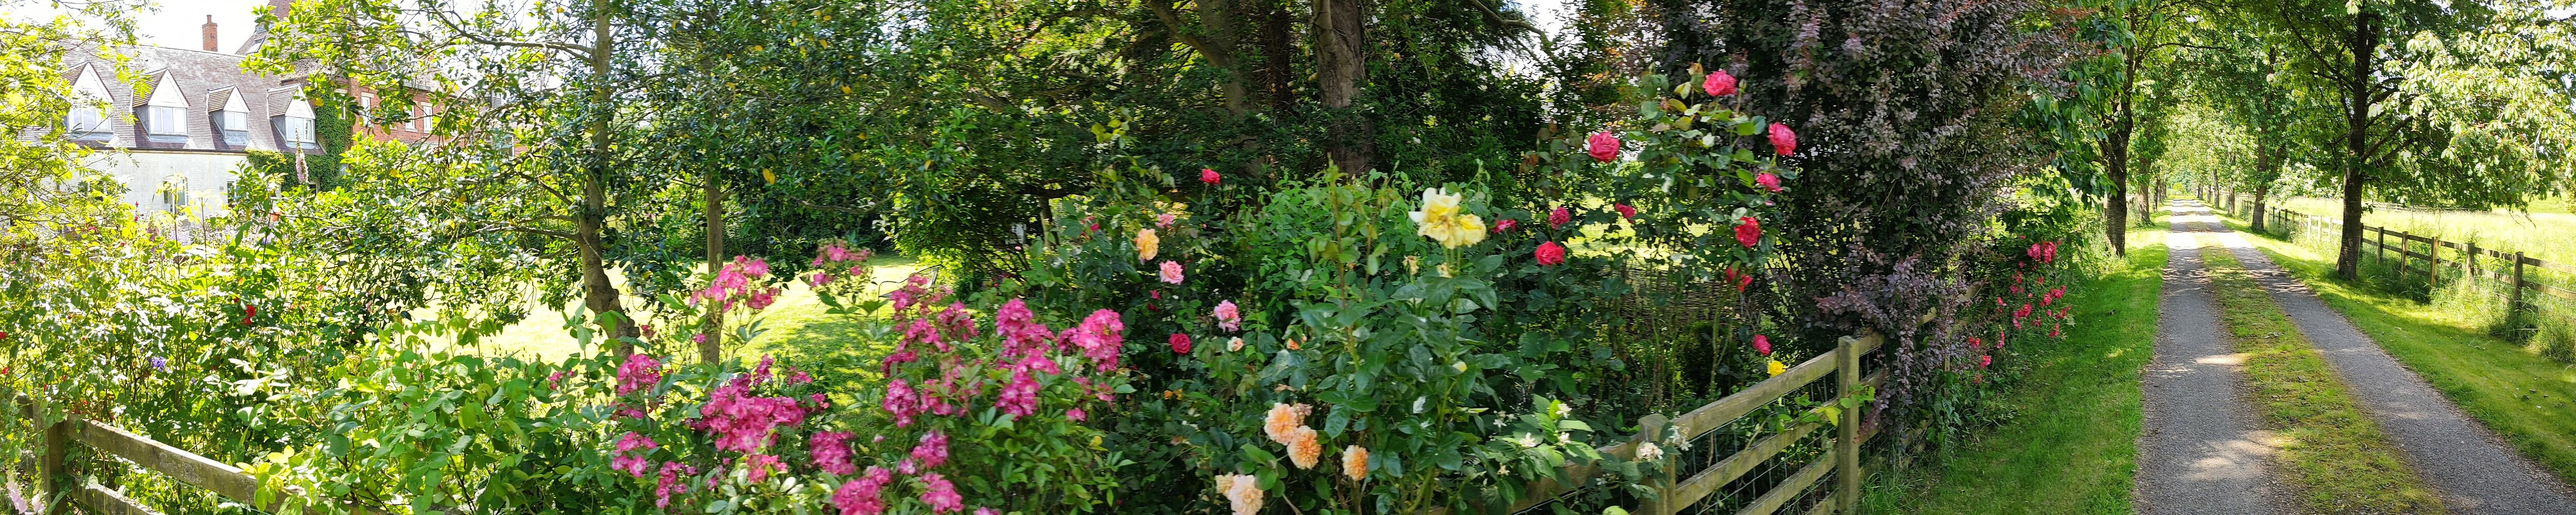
point(333, 128)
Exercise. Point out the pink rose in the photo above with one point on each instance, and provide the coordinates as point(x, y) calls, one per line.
point(1550, 254)
point(1603, 146)
point(1558, 218)
point(1506, 225)
point(1171, 272)
point(1180, 343)
point(1208, 175)
point(1782, 140)
point(1718, 84)
point(1762, 344)
point(1768, 181)
point(1750, 233)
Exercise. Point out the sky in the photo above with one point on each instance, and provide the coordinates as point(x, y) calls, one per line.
point(178, 23)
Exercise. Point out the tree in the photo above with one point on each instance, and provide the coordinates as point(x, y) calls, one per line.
point(2481, 82)
point(2237, 74)
point(527, 102)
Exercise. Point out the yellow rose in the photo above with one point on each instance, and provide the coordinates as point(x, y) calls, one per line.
point(1146, 244)
point(1442, 220)
point(1776, 368)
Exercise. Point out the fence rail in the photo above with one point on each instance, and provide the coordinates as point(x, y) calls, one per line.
point(90, 496)
point(2509, 269)
point(1841, 458)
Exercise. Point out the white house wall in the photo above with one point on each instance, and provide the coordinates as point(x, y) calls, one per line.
point(143, 172)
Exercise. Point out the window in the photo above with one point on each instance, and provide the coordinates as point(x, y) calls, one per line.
point(299, 133)
point(87, 121)
point(232, 120)
point(165, 115)
point(234, 125)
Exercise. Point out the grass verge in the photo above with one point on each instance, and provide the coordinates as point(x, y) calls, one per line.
point(2073, 448)
point(2516, 392)
point(2331, 450)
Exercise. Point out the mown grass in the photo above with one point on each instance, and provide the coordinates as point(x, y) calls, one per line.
point(2073, 448)
point(795, 326)
point(2527, 398)
point(2540, 232)
point(2330, 447)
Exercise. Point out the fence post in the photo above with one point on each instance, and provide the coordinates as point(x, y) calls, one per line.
point(2471, 264)
point(50, 467)
point(2433, 263)
point(2382, 249)
point(1650, 428)
point(2512, 308)
point(1847, 429)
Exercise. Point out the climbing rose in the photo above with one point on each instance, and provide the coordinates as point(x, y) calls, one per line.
point(1558, 218)
point(1551, 254)
point(1234, 344)
point(1076, 414)
point(1171, 272)
point(863, 496)
point(756, 468)
point(1625, 211)
point(1749, 233)
point(1147, 244)
point(1443, 220)
point(1228, 317)
point(1208, 175)
point(831, 451)
point(1355, 462)
point(1303, 448)
point(1506, 225)
point(1783, 140)
point(1718, 84)
point(1018, 398)
point(1243, 492)
point(1603, 146)
point(1768, 181)
point(639, 372)
point(1985, 361)
point(933, 450)
point(941, 495)
point(1180, 343)
point(1283, 419)
point(1742, 280)
point(1762, 344)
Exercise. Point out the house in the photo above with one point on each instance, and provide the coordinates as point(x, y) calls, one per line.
point(186, 139)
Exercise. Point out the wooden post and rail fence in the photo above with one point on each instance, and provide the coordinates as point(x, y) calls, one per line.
point(2503, 268)
point(1841, 457)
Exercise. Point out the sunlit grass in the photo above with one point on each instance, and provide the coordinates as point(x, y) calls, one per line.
point(2521, 395)
point(2330, 447)
point(2541, 233)
point(2073, 448)
point(795, 325)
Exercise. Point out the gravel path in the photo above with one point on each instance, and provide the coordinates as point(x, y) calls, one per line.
point(2476, 472)
point(2202, 450)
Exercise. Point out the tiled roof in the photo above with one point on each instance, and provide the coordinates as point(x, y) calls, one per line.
point(199, 75)
point(259, 34)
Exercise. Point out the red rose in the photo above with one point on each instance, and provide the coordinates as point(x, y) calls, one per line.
point(1750, 233)
point(1740, 279)
point(1762, 344)
point(1782, 140)
point(1558, 218)
point(1603, 146)
point(1550, 254)
point(1506, 225)
point(1985, 361)
point(1208, 175)
point(1768, 181)
point(1180, 343)
point(1625, 211)
point(1718, 84)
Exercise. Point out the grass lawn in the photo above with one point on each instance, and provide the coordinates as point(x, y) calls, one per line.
point(2073, 448)
point(2541, 232)
point(2527, 398)
point(794, 326)
point(2331, 449)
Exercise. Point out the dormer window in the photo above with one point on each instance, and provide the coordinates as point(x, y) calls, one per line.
point(295, 126)
point(232, 119)
point(87, 122)
point(165, 115)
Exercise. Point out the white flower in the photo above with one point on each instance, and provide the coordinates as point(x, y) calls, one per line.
point(1647, 451)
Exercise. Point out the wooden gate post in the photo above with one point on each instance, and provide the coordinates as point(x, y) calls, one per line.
point(1847, 429)
point(50, 470)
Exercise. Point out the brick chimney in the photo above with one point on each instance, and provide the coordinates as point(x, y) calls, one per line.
point(210, 33)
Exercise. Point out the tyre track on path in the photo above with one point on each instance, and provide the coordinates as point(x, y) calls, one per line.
point(2202, 450)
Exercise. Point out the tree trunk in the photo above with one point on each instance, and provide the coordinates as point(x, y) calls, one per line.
point(712, 350)
point(1341, 70)
point(2260, 191)
point(2118, 211)
point(2365, 45)
point(599, 296)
